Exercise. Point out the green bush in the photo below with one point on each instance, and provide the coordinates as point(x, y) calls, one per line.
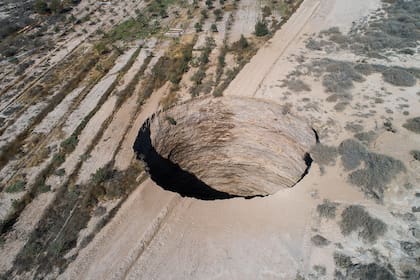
point(101, 175)
point(213, 28)
point(69, 144)
point(218, 13)
point(398, 77)
point(261, 28)
point(198, 27)
point(415, 154)
point(17, 186)
point(198, 76)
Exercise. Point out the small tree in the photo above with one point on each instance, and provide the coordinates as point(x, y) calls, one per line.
point(204, 14)
point(213, 28)
point(198, 27)
point(261, 28)
point(243, 42)
point(209, 4)
point(218, 14)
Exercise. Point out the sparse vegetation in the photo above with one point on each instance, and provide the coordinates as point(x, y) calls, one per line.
point(320, 241)
point(413, 125)
point(398, 77)
point(378, 169)
point(296, 85)
point(261, 29)
point(70, 144)
point(198, 27)
point(243, 42)
point(352, 153)
point(17, 186)
point(323, 154)
point(327, 209)
point(356, 218)
point(415, 154)
point(320, 270)
point(340, 77)
point(366, 137)
point(171, 120)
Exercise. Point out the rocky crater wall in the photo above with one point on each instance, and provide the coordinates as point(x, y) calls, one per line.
point(235, 146)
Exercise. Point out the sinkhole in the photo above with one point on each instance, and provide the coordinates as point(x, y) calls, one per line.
point(220, 148)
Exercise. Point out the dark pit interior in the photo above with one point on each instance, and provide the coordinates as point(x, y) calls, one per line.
point(169, 175)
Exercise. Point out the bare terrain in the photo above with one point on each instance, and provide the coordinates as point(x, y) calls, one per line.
point(230, 139)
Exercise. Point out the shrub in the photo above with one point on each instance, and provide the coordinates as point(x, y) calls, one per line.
point(17, 186)
point(266, 11)
point(313, 45)
point(324, 155)
point(355, 218)
point(366, 137)
point(340, 77)
point(56, 6)
point(213, 28)
point(171, 120)
point(364, 68)
point(69, 144)
point(218, 13)
point(320, 270)
point(327, 209)
point(342, 260)
point(398, 77)
point(204, 14)
point(198, 27)
point(102, 174)
point(372, 271)
point(379, 170)
point(415, 154)
point(43, 188)
point(60, 172)
point(209, 4)
point(296, 85)
point(413, 125)
point(261, 28)
point(320, 241)
point(352, 153)
point(198, 76)
point(243, 42)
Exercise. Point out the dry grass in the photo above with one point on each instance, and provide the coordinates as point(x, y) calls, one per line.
point(356, 219)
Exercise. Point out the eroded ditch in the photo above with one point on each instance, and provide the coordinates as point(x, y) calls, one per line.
point(226, 147)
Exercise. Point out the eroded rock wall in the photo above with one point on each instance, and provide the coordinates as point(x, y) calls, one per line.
point(240, 146)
